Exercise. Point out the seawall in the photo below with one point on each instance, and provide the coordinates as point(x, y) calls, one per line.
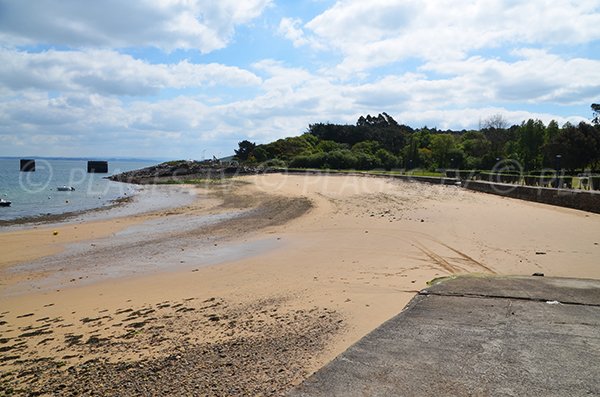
point(585, 200)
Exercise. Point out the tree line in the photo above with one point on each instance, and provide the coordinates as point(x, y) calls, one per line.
point(379, 142)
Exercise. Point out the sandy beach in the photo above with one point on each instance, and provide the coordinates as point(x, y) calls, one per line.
point(256, 283)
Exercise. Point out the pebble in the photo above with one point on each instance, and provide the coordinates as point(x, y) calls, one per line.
point(260, 354)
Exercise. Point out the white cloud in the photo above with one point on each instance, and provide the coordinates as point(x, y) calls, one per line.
point(104, 100)
point(291, 98)
point(110, 73)
point(182, 124)
point(379, 32)
point(536, 77)
point(468, 118)
point(167, 24)
point(290, 29)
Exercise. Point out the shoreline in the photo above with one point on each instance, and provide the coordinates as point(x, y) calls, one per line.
point(45, 219)
point(142, 201)
point(138, 241)
point(355, 251)
point(132, 205)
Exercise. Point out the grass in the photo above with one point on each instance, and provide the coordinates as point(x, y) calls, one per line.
point(203, 181)
point(436, 280)
point(425, 173)
point(374, 172)
point(196, 181)
point(170, 182)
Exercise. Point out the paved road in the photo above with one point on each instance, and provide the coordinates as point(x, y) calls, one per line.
point(499, 336)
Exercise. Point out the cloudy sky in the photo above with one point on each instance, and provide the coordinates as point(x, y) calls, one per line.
point(190, 78)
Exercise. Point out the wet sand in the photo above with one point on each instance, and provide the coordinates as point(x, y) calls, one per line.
point(262, 281)
point(27, 239)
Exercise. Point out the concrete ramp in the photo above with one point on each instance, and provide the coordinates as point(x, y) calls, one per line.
point(469, 336)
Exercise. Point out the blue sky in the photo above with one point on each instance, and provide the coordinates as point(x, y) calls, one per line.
point(191, 78)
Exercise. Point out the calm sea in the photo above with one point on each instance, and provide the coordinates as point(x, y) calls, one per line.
point(35, 193)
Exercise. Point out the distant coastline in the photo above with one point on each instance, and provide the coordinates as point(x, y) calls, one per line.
point(125, 159)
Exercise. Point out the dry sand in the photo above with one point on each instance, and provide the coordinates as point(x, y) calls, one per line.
point(258, 283)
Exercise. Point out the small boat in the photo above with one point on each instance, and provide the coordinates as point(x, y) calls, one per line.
point(5, 203)
point(65, 188)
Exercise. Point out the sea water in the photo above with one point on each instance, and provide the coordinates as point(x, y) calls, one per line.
point(35, 193)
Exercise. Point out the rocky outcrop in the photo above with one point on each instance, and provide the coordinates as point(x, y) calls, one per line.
point(181, 170)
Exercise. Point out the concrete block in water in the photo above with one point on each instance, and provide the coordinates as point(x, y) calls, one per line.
point(98, 167)
point(27, 165)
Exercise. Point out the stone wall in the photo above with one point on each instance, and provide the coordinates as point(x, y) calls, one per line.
point(578, 199)
point(427, 179)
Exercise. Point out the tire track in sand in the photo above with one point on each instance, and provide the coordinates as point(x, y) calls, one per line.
point(447, 265)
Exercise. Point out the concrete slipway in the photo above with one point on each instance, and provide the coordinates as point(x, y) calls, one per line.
point(470, 336)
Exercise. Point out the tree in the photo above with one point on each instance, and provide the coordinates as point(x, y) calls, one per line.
point(579, 146)
point(382, 120)
point(388, 160)
point(287, 148)
point(367, 147)
point(380, 141)
point(495, 121)
point(596, 113)
point(411, 152)
point(330, 146)
point(442, 145)
point(551, 131)
point(425, 159)
point(475, 144)
point(548, 150)
point(495, 130)
point(476, 149)
point(245, 150)
point(260, 153)
point(530, 141)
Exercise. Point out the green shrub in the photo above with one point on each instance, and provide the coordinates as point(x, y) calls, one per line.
point(338, 159)
point(274, 163)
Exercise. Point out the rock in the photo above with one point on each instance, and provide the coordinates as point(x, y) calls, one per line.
point(197, 169)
